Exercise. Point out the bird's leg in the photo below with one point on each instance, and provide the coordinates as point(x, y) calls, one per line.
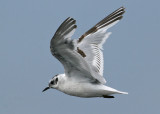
point(107, 96)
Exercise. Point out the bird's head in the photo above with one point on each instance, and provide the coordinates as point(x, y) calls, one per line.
point(53, 83)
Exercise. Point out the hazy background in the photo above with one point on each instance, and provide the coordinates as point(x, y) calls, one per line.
point(132, 56)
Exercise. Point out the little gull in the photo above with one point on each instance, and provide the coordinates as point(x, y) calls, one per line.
point(83, 58)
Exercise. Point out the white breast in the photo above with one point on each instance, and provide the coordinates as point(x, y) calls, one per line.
point(80, 89)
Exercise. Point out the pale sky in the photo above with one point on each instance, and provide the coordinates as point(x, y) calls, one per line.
point(131, 56)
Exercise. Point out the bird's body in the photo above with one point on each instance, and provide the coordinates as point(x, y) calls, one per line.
point(84, 89)
point(83, 58)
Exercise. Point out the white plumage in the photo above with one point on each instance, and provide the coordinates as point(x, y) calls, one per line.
point(83, 58)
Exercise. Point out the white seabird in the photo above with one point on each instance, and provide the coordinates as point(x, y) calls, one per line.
point(83, 58)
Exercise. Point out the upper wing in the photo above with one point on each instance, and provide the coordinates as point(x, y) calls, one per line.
point(65, 50)
point(92, 41)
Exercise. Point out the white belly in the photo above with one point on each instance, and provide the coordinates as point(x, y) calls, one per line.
point(86, 89)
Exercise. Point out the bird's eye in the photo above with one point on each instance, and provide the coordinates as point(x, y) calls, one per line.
point(51, 82)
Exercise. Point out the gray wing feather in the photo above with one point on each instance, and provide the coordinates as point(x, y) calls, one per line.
point(92, 41)
point(83, 58)
point(64, 49)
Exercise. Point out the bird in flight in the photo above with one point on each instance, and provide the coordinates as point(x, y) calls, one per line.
point(83, 58)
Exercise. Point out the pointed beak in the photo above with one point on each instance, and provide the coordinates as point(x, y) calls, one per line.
point(46, 89)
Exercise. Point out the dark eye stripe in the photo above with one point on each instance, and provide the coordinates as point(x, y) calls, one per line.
point(52, 82)
point(56, 79)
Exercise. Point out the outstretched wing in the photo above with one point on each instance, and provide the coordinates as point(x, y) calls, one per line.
point(92, 41)
point(65, 50)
